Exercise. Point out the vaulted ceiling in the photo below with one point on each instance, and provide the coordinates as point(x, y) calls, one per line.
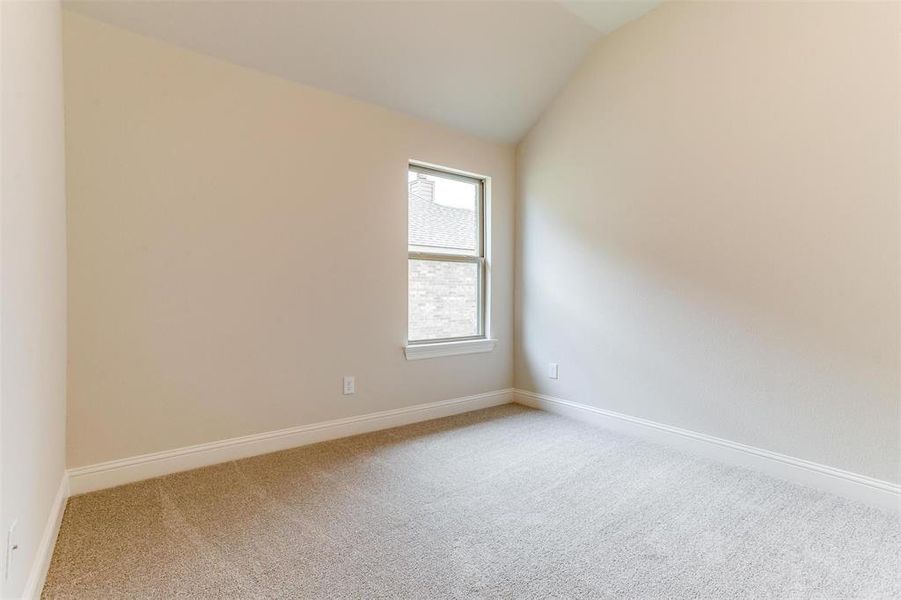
point(486, 67)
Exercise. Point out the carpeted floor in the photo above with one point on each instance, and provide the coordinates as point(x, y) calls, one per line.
point(501, 503)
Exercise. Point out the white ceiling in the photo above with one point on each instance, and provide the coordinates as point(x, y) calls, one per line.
point(486, 67)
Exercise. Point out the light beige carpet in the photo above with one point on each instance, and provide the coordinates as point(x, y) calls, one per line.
point(501, 503)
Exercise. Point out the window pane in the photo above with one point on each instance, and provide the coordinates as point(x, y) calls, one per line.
point(443, 214)
point(444, 299)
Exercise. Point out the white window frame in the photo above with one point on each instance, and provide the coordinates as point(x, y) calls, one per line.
point(430, 348)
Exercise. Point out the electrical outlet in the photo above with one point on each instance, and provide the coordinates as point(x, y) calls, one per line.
point(350, 386)
point(11, 546)
point(553, 371)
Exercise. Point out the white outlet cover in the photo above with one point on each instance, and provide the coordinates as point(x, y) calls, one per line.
point(350, 386)
point(553, 371)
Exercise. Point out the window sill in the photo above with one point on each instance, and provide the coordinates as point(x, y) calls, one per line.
point(422, 351)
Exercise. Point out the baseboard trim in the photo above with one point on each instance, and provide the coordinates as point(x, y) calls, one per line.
point(118, 472)
point(38, 574)
point(875, 492)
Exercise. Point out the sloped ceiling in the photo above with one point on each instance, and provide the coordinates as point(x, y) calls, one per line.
point(488, 68)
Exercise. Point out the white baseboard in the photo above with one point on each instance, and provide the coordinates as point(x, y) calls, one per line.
point(38, 573)
point(127, 470)
point(875, 492)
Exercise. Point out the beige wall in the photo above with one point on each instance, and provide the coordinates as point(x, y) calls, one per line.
point(708, 229)
point(32, 278)
point(238, 244)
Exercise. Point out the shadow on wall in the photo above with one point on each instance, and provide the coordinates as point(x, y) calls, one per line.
point(652, 334)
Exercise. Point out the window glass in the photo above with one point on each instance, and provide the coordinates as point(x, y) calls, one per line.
point(443, 214)
point(444, 299)
point(446, 257)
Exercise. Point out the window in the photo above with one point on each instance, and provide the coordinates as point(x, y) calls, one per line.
point(447, 271)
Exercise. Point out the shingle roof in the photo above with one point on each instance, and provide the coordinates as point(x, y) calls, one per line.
point(433, 224)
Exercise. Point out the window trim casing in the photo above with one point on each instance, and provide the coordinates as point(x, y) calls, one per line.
point(462, 344)
point(422, 351)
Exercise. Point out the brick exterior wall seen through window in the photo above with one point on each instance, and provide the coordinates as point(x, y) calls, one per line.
point(444, 300)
